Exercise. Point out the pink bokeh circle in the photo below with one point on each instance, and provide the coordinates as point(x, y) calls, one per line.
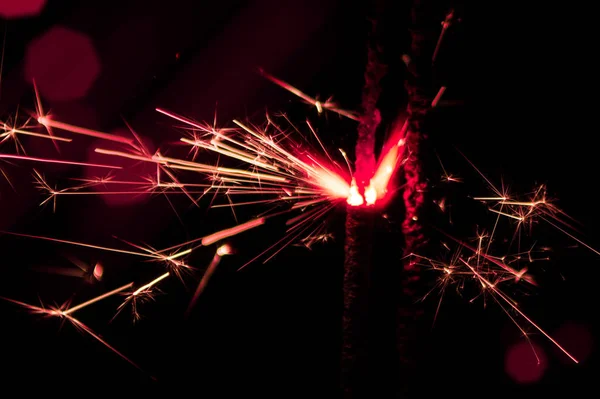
point(63, 63)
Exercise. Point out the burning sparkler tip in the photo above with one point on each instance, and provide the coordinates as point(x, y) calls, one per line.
point(224, 249)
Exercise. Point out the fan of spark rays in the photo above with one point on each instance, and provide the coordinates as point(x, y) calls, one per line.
point(276, 166)
point(279, 168)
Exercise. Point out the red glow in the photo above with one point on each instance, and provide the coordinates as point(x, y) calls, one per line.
point(354, 196)
point(10, 9)
point(525, 363)
point(391, 157)
point(63, 63)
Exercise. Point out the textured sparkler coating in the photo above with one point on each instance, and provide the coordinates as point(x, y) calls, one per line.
point(357, 265)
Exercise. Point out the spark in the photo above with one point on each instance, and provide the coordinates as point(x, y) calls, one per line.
point(394, 151)
point(141, 295)
point(510, 303)
point(150, 284)
point(94, 300)
point(448, 21)
point(320, 106)
point(232, 231)
point(50, 123)
point(64, 312)
point(490, 271)
point(12, 132)
point(56, 161)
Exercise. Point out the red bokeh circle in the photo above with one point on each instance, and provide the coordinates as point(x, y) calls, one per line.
point(63, 63)
point(525, 362)
point(577, 339)
point(11, 9)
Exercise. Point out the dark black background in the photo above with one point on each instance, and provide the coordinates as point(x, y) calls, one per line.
point(275, 328)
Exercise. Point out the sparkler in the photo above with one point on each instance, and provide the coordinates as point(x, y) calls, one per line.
point(291, 176)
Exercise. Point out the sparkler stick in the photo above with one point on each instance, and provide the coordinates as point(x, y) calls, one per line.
point(417, 86)
point(359, 226)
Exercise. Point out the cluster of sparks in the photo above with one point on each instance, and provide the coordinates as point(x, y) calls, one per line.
point(284, 174)
point(490, 259)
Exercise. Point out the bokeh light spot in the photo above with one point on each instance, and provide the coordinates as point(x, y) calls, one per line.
point(63, 63)
point(12, 9)
point(522, 365)
point(577, 339)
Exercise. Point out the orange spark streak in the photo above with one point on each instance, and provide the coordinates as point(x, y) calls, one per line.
point(490, 198)
point(58, 161)
point(571, 236)
point(78, 324)
point(519, 218)
point(96, 299)
point(175, 163)
point(27, 133)
point(494, 260)
point(180, 118)
point(44, 120)
point(150, 284)
point(232, 231)
point(438, 96)
point(40, 112)
point(312, 101)
point(122, 251)
point(242, 156)
point(88, 330)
